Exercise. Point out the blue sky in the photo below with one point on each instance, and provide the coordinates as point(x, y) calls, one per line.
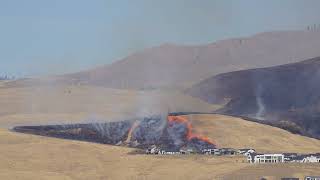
point(42, 37)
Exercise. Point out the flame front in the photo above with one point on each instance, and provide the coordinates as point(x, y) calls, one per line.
point(190, 134)
point(133, 127)
point(176, 133)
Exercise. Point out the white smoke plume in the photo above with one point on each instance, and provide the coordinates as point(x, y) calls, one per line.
point(261, 107)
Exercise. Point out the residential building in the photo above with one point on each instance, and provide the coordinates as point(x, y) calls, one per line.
point(222, 151)
point(216, 151)
point(228, 151)
point(312, 158)
point(265, 158)
point(244, 151)
point(312, 178)
point(289, 157)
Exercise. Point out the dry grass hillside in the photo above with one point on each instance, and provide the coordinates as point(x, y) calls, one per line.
point(32, 157)
point(234, 132)
point(275, 171)
point(25, 156)
point(65, 104)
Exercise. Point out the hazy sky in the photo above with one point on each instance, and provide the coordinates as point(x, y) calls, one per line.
point(40, 37)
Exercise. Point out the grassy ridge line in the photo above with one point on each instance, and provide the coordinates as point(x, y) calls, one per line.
point(285, 125)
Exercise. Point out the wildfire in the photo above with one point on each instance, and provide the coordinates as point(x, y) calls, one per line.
point(172, 133)
point(133, 127)
point(190, 134)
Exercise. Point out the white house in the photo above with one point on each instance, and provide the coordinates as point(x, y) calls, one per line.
point(246, 152)
point(311, 159)
point(169, 152)
point(212, 151)
point(153, 150)
point(265, 158)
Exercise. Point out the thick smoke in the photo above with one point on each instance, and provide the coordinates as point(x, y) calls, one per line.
point(150, 130)
point(178, 133)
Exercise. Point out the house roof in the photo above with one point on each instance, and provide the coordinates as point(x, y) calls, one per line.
point(247, 149)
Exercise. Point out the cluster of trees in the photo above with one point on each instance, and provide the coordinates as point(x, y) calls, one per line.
point(6, 77)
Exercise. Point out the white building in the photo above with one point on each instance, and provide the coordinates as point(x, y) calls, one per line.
point(212, 151)
point(265, 158)
point(246, 152)
point(311, 159)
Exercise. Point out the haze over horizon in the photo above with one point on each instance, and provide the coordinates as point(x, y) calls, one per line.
point(53, 37)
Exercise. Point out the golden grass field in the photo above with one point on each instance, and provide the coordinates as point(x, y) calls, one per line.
point(234, 132)
point(31, 157)
point(275, 171)
point(69, 104)
point(24, 156)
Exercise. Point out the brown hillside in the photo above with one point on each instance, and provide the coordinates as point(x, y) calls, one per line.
point(25, 156)
point(180, 66)
point(288, 92)
point(70, 104)
point(31, 157)
point(234, 132)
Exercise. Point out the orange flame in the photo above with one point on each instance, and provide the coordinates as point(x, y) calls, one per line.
point(190, 134)
point(133, 127)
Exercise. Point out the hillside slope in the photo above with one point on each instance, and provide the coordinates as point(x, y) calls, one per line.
point(179, 66)
point(31, 157)
point(289, 92)
point(69, 104)
point(233, 132)
point(25, 156)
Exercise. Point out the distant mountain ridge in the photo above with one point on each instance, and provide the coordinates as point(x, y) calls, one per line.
point(175, 66)
point(181, 66)
point(288, 92)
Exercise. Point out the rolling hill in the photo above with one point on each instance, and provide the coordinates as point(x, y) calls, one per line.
point(228, 131)
point(69, 104)
point(25, 156)
point(172, 66)
point(287, 93)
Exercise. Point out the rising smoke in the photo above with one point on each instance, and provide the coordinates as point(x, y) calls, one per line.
point(260, 105)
